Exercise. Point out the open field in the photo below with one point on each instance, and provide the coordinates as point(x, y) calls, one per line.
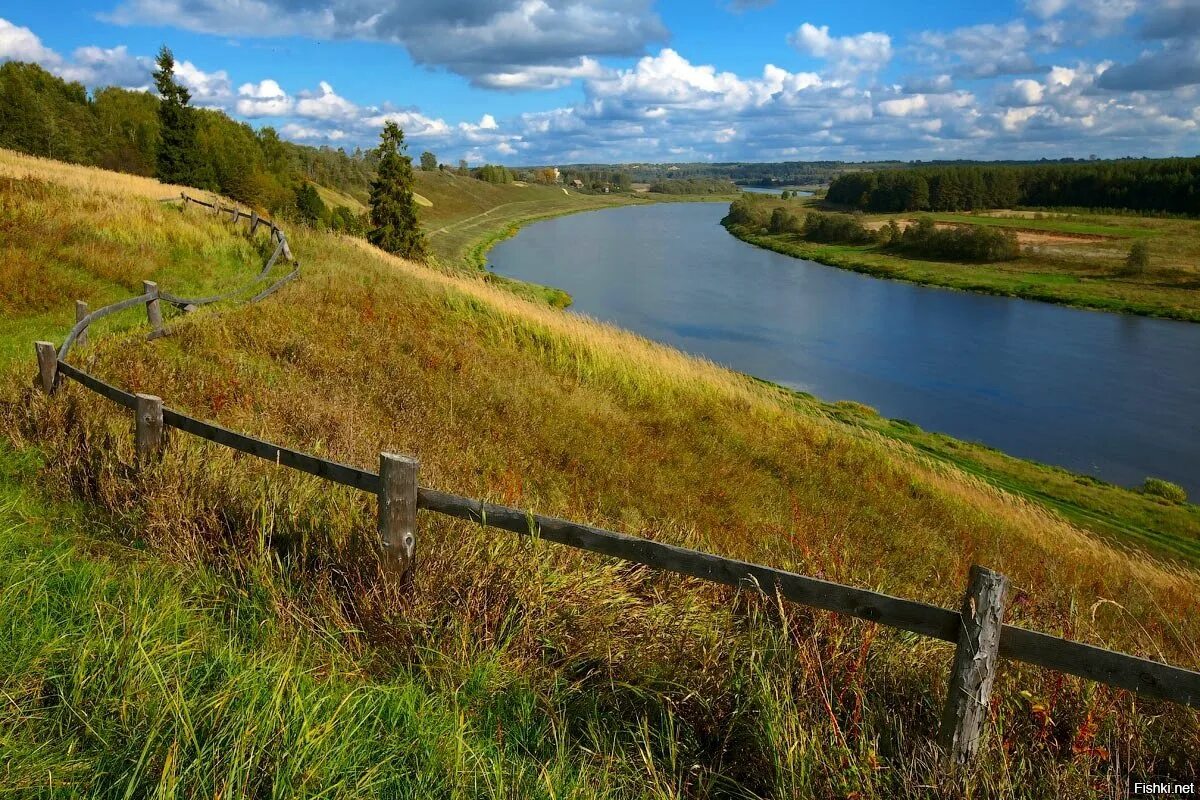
point(182, 631)
point(1073, 258)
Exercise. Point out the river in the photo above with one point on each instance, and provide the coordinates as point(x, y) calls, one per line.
point(1108, 395)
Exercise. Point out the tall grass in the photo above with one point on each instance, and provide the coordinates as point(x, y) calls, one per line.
point(516, 667)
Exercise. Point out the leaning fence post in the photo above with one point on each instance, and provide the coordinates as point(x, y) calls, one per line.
point(153, 310)
point(287, 250)
point(47, 365)
point(81, 311)
point(974, 668)
point(253, 222)
point(149, 429)
point(398, 517)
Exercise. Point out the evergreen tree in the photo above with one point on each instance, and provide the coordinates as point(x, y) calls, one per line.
point(178, 154)
point(393, 211)
point(309, 205)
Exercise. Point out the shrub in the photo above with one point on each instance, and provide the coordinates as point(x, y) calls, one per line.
point(784, 221)
point(836, 228)
point(1138, 259)
point(958, 243)
point(1157, 487)
point(748, 212)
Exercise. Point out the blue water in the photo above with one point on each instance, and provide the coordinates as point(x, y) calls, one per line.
point(1113, 396)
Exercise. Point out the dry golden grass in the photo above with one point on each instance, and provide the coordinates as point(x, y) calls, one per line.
point(691, 688)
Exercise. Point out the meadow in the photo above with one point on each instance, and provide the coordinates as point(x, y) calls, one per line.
point(212, 626)
point(1072, 257)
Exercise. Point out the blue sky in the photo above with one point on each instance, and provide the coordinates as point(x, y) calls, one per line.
point(551, 81)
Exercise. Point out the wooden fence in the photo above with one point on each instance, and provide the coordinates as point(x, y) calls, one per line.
point(977, 629)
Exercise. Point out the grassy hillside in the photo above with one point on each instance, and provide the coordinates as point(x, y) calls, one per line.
point(1073, 258)
point(180, 631)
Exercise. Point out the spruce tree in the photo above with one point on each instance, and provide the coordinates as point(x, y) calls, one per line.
point(393, 211)
point(178, 153)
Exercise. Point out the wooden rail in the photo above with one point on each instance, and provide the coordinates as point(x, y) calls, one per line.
point(977, 629)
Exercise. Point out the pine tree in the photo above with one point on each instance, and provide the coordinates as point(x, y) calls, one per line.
point(178, 153)
point(393, 211)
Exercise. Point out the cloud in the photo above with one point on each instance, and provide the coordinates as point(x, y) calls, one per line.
point(325, 104)
point(904, 106)
point(21, 44)
point(1176, 64)
point(263, 99)
point(984, 51)
point(1172, 20)
point(512, 44)
point(864, 52)
point(1104, 13)
point(928, 84)
point(113, 66)
point(212, 89)
point(545, 76)
point(1023, 92)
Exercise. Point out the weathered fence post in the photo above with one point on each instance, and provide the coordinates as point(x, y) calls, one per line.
point(398, 517)
point(153, 309)
point(47, 365)
point(149, 429)
point(253, 222)
point(287, 250)
point(81, 311)
point(974, 669)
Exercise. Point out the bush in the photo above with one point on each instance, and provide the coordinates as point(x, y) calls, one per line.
point(1157, 487)
point(836, 229)
point(958, 243)
point(1138, 260)
point(784, 221)
point(746, 211)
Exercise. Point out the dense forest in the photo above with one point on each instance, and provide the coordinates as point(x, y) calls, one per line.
point(117, 129)
point(1156, 185)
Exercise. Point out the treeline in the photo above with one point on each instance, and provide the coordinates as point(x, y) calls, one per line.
point(494, 173)
point(924, 239)
point(694, 186)
point(599, 179)
point(1155, 185)
point(43, 115)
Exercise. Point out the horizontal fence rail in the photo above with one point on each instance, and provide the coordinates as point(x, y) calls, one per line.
point(976, 630)
point(1124, 671)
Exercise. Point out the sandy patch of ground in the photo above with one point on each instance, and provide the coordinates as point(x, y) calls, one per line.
point(422, 201)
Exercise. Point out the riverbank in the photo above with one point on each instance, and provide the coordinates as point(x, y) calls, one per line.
point(671, 275)
point(1123, 516)
point(1066, 258)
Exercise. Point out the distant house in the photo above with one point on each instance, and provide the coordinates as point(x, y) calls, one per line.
point(576, 184)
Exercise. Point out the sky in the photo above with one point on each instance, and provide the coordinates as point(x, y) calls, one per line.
point(565, 81)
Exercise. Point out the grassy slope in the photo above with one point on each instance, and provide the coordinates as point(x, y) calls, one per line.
point(612, 680)
point(1085, 273)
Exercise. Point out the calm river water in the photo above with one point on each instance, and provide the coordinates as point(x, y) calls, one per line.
point(1109, 395)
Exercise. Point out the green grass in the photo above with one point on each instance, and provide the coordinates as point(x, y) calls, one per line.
point(1082, 264)
point(126, 676)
